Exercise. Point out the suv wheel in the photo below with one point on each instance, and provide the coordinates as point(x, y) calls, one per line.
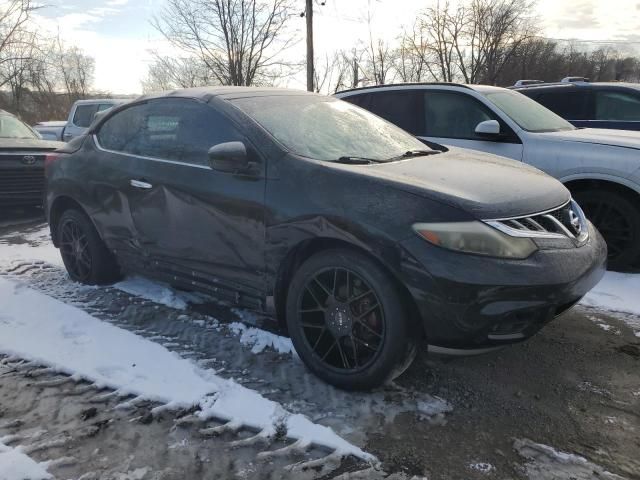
point(83, 252)
point(347, 321)
point(618, 220)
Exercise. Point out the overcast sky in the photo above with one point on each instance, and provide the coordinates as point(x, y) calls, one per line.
point(119, 35)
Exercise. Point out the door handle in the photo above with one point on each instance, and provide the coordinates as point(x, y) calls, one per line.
point(140, 184)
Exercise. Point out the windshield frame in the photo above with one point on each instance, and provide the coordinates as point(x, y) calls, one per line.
point(493, 92)
point(414, 144)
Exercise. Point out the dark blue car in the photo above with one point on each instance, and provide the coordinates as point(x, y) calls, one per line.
point(592, 105)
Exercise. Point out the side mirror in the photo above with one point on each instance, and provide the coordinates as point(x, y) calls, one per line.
point(229, 157)
point(488, 128)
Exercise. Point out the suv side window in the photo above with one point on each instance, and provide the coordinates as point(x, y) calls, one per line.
point(169, 129)
point(404, 108)
point(83, 116)
point(454, 115)
point(617, 105)
point(569, 105)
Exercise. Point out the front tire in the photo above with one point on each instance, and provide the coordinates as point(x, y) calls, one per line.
point(347, 320)
point(618, 220)
point(83, 252)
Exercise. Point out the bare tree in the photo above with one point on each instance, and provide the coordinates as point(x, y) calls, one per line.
point(77, 70)
point(332, 74)
point(436, 43)
point(380, 57)
point(14, 15)
point(167, 73)
point(238, 40)
point(495, 29)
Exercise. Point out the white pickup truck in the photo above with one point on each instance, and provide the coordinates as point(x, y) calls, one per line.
point(80, 117)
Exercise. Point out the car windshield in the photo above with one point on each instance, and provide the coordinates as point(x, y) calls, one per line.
point(527, 113)
point(11, 127)
point(325, 128)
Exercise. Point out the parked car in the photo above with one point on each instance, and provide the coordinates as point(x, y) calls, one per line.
point(601, 168)
point(82, 114)
point(50, 130)
point(591, 105)
point(355, 235)
point(22, 154)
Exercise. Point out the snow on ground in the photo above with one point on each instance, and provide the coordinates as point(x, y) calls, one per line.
point(546, 463)
point(41, 329)
point(618, 292)
point(15, 465)
point(484, 468)
point(259, 339)
point(35, 245)
point(157, 292)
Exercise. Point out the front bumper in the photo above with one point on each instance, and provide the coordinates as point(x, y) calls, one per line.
point(474, 302)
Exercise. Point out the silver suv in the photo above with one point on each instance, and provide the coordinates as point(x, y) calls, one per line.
point(601, 168)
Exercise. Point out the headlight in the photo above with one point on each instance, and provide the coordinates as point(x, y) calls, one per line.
point(475, 237)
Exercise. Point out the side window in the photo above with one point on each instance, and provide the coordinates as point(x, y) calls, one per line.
point(363, 100)
point(616, 105)
point(83, 115)
point(169, 129)
point(454, 115)
point(403, 108)
point(569, 105)
point(104, 106)
point(120, 133)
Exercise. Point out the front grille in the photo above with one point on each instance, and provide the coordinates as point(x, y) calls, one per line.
point(566, 221)
point(21, 182)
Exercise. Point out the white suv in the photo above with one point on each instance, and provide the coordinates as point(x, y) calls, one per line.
point(601, 168)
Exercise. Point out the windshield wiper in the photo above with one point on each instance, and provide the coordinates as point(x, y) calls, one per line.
point(357, 160)
point(417, 153)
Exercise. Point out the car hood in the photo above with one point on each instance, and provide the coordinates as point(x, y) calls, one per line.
point(599, 136)
point(29, 144)
point(484, 185)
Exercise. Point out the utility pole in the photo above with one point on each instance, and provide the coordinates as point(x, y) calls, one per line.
point(309, 18)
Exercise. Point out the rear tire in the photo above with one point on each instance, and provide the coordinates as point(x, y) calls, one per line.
point(347, 321)
point(83, 252)
point(618, 220)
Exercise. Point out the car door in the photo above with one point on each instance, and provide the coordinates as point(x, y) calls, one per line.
point(197, 225)
point(451, 118)
point(616, 109)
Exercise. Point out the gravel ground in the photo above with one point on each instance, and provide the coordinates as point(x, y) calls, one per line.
point(574, 387)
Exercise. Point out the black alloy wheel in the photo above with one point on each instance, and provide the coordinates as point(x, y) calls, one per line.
point(348, 322)
point(342, 319)
point(74, 248)
point(618, 220)
point(84, 255)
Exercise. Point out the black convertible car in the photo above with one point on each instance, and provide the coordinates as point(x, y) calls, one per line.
point(357, 237)
point(22, 156)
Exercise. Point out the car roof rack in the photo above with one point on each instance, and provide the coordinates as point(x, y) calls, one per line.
point(574, 80)
point(524, 83)
point(425, 84)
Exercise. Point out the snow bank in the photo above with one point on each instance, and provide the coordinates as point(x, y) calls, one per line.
point(15, 465)
point(39, 328)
